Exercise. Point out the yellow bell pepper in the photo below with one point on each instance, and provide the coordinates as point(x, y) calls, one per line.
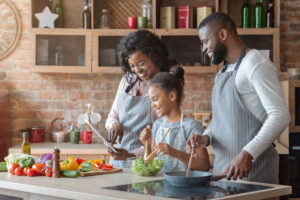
point(69, 164)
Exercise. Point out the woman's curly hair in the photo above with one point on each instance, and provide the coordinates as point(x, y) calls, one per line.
point(147, 43)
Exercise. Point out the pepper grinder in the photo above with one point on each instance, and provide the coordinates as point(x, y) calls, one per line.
point(56, 168)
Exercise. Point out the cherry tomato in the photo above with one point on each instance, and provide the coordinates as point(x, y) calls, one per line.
point(12, 168)
point(38, 168)
point(25, 170)
point(48, 172)
point(30, 172)
point(18, 171)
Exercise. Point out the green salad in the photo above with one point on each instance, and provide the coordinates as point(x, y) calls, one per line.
point(141, 169)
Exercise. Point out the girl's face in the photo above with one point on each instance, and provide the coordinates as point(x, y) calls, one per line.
point(142, 66)
point(161, 101)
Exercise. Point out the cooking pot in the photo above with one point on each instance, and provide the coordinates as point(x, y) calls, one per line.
point(196, 178)
point(36, 134)
point(59, 133)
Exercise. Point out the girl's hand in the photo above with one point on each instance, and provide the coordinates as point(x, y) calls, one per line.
point(165, 149)
point(114, 132)
point(198, 141)
point(146, 135)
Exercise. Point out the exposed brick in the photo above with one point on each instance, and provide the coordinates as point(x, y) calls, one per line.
point(295, 48)
point(295, 27)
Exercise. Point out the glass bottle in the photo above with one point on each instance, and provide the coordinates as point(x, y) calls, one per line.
point(245, 15)
point(270, 14)
point(59, 10)
point(258, 14)
point(25, 144)
point(147, 12)
point(59, 57)
point(86, 15)
point(105, 19)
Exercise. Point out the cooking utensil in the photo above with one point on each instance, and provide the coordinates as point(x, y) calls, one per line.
point(100, 136)
point(59, 132)
point(196, 178)
point(152, 155)
point(190, 162)
point(36, 134)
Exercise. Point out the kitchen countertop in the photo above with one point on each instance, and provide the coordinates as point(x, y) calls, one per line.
point(94, 148)
point(91, 187)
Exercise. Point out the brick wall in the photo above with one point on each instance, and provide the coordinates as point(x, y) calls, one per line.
point(36, 98)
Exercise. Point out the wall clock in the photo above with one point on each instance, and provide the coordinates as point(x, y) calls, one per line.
point(10, 28)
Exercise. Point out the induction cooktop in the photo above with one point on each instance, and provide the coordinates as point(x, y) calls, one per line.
point(162, 188)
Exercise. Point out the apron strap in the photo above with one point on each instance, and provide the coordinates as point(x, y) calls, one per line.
point(181, 119)
point(130, 86)
point(242, 54)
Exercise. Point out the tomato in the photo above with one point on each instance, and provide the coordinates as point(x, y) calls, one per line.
point(25, 170)
point(12, 168)
point(39, 169)
point(106, 169)
point(30, 172)
point(48, 172)
point(18, 171)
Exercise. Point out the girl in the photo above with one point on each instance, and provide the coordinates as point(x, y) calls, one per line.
point(166, 94)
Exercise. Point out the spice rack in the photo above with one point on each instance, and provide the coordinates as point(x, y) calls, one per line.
point(95, 49)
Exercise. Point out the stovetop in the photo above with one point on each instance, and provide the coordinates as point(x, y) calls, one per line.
point(162, 188)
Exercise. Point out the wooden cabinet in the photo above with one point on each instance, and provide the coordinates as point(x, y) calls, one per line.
point(94, 50)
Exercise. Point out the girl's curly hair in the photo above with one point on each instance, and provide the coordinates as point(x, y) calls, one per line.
point(147, 43)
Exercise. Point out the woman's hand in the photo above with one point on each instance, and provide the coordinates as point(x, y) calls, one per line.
point(122, 154)
point(165, 149)
point(114, 132)
point(146, 135)
point(198, 141)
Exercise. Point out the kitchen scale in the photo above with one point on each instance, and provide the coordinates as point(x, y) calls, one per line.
point(161, 188)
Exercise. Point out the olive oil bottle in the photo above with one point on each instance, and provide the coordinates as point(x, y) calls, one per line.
point(25, 144)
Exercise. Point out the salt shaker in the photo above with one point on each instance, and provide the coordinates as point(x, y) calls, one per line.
point(56, 167)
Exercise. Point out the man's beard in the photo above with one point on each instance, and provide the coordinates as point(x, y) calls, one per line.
point(219, 53)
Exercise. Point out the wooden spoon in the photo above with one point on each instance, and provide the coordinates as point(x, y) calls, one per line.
point(190, 162)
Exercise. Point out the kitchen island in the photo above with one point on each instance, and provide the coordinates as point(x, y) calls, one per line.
point(92, 187)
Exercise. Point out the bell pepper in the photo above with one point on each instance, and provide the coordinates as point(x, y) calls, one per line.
point(96, 163)
point(26, 162)
point(69, 164)
point(86, 166)
point(79, 161)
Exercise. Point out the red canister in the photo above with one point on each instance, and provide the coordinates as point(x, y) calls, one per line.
point(185, 17)
point(36, 134)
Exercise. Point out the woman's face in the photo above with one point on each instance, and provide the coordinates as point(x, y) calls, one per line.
point(161, 101)
point(142, 66)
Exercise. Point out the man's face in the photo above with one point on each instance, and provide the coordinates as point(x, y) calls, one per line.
point(211, 44)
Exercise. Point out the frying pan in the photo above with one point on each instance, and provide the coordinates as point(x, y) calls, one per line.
point(196, 178)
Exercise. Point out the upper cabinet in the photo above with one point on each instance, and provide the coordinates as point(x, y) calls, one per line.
point(73, 49)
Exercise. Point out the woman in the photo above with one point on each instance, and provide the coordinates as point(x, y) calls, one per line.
point(142, 55)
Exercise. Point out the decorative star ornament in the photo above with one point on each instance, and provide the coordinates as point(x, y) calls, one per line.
point(46, 18)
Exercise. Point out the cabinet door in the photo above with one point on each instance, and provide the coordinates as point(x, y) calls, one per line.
point(66, 51)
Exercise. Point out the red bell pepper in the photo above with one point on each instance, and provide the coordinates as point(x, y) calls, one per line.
point(79, 161)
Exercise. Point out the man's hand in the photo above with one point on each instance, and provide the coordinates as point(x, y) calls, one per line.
point(198, 141)
point(240, 166)
point(114, 132)
point(122, 154)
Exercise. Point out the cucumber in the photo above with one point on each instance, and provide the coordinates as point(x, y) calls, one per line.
point(3, 167)
point(70, 173)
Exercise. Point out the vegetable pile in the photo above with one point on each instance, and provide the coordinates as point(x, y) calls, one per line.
point(139, 168)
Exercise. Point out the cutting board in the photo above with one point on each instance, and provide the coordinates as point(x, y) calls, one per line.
point(100, 172)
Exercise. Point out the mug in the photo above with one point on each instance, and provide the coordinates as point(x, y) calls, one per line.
point(74, 136)
point(86, 137)
point(142, 22)
point(131, 22)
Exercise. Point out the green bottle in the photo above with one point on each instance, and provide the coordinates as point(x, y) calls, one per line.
point(59, 10)
point(245, 15)
point(258, 14)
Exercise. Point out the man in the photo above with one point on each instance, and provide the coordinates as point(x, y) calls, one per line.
point(248, 108)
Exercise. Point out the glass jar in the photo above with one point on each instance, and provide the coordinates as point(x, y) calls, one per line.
point(147, 11)
point(105, 19)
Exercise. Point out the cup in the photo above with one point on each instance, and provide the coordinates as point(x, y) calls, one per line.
point(142, 22)
point(86, 137)
point(131, 22)
point(74, 136)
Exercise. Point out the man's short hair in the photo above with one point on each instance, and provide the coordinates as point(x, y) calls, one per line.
point(219, 20)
